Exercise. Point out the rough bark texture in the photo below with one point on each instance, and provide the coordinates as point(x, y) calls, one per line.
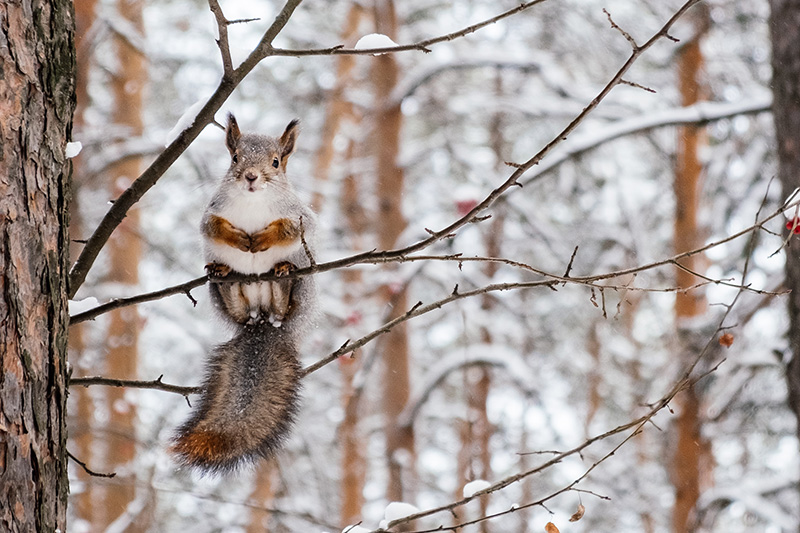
point(785, 33)
point(37, 99)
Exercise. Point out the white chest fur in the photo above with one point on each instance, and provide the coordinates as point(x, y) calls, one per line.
point(250, 212)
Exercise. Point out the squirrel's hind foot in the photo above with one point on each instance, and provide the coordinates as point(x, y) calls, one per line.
point(281, 269)
point(218, 270)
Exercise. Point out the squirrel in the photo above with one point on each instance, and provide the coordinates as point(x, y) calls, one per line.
point(254, 224)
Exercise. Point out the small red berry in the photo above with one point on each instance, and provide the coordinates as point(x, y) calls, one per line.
point(793, 224)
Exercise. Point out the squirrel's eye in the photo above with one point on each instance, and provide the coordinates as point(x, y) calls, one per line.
point(275, 162)
point(235, 158)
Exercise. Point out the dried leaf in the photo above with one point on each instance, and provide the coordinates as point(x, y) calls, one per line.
point(726, 340)
point(578, 514)
point(551, 528)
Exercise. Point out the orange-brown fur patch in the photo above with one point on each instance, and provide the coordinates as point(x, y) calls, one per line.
point(279, 232)
point(219, 229)
point(203, 445)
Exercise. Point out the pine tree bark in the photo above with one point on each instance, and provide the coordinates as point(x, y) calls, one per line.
point(785, 34)
point(37, 100)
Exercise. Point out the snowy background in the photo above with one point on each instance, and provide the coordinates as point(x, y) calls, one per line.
point(561, 370)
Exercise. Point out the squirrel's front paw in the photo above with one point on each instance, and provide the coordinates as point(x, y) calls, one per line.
point(218, 270)
point(282, 269)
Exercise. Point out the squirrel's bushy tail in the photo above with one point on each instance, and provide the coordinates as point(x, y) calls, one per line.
point(248, 403)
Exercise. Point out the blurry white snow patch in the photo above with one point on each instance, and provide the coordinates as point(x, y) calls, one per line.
point(356, 529)
point(475, 486)
point(375, 40)
point(77, 307)
point(398, 510)
point(72, 149)
point(186, 120)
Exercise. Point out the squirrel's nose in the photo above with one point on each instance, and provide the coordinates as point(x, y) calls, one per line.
point(250, 176)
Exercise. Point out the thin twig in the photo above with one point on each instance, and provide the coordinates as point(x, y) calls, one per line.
point(373, 257)
point(625, 34)
point(116, 303)
point(306, 248)
point(119, 209)
point(222, 42)
point(420, 45)
point(155, 384)
point(88, 470)
point(638, 86)
point(569, 265)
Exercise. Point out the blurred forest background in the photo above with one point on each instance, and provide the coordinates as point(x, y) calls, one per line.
point(607, 374)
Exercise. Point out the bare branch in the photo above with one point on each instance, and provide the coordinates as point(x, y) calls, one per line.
point(373, 257)
point(625, 34)
point(116, 303)
point(222, 42)
point(116, 214)
point(87, 469)
point(638, 86)
point(421, 45)
point(636, 426)
point(155, 384)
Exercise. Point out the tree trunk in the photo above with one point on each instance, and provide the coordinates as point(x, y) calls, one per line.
point(82, 408)
point(785, 34)
point(124, 249)
point(339, 107)
point(341, 119)
point(692, 452)
point(476, 431)
point(262, 496)
point(353, 449)
point(37, 99)
point(390, 224)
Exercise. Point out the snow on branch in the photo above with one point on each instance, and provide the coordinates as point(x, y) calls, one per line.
point(230, 80)
point(420, 45)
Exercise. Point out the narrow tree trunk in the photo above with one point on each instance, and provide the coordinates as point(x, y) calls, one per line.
point(353, 449)
point(691, 455)
point(262, 495)
point(341, 117)
point(124, 249)
point(785, 33)
point(391, 223)
point(81, 417)
point(477, 429)
point(339, 107)
point(37, 100)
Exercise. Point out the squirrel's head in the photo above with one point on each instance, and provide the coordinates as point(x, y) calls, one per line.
point(258, 161)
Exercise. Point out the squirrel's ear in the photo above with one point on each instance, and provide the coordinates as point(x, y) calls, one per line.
point(288, 140)
point(232, 134)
